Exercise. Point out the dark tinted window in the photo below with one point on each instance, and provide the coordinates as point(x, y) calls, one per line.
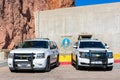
point(53, 45)
point(34, 44)
point(91, 45)
point(76, 44)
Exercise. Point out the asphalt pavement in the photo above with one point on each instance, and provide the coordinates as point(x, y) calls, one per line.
point(4, 63)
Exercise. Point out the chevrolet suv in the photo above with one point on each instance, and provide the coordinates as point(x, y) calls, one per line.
point(34, 54)
point(91, 53)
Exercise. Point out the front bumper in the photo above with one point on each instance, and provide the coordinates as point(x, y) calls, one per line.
point(37, 64)
point(96, 65)
point(86, 63)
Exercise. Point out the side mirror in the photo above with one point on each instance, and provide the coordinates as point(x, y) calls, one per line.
point(107, 47)
point(105, 44)
point(75, 47)
point(16, 47)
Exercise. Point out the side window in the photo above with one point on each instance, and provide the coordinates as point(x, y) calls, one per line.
point(52, 46)
point(75, 45)
point(55, 45)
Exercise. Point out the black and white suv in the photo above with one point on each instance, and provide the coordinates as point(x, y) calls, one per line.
point(91, 53)
point(34, 54)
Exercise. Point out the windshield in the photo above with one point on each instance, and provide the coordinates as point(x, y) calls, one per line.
point(34, 44)
point(91, 45)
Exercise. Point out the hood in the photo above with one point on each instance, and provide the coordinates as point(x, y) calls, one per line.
point(95, 49)
point(29, 50)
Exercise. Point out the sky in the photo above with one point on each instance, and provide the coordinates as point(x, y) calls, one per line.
point(93, 2)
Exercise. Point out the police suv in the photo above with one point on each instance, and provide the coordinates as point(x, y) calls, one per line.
point(34, 54)
point(91, 53)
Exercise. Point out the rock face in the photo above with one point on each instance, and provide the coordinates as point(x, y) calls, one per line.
point(17, 19)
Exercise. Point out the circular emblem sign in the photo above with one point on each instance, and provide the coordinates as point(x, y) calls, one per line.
point(66, 42)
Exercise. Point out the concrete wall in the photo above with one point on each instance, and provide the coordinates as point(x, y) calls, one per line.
point(102, 21)
point(4, 54)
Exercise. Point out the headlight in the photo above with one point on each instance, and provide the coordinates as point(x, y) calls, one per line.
point(10, 55)
point(40, 55)
point(84, 54)
point(110, 55)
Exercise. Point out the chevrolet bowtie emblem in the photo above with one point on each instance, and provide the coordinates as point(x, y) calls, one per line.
point(97, 55)
point(23, 56)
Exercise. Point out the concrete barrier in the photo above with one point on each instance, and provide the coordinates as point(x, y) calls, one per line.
point(102, 21)
point(117, 58)
point(4, 54)
point(65, 59)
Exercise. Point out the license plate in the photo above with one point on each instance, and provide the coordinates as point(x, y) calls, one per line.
point(23, 65)
point(97, 62)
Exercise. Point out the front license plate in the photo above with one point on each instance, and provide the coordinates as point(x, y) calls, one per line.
point(97, 62)
point(24, 65)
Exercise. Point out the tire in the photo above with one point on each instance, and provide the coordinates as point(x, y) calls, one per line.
point(72, 59)
point(57, 62)
point(12, 70)
point(47, 68)
point(109, 68)
point(76, 65)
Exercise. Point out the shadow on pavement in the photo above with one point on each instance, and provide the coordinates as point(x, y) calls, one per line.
point(34, 71)
point(91, 68)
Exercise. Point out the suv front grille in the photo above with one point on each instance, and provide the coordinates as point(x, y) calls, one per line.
point(22, 56)
point(23, 61)
point(98, 57)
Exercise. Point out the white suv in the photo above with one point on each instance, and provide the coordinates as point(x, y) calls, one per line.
point(34, 54)
point(91, 53)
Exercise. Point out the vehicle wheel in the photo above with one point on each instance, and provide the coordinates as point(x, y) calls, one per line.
point(77, 66)
point(47, 68)
point(110, 68)
point(81, 67)
point(57, 62)
point(72, 59)
point(12, 70)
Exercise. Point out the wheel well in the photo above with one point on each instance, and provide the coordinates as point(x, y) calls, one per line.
point(58, 55)
point(48, 57)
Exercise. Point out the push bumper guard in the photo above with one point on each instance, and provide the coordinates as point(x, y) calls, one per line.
point(98, 58)
point(23, 61)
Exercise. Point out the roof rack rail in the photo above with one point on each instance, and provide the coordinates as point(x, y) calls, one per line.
point(43, 38)
point(40, 38)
